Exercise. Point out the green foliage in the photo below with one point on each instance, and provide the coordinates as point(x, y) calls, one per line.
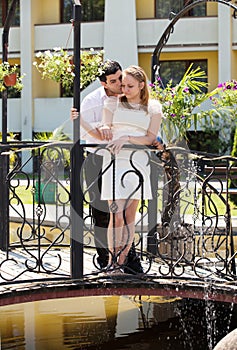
point(233, 183)
point(43, 136)
point(224, 105)
point(51, 152)
point(223, 115)
point(226, 98)
point(91, 67)
point(11, 137)
point(56, 65)
point(179, 101)
point(234, 150)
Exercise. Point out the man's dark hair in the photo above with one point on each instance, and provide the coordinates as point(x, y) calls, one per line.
point(109, 67)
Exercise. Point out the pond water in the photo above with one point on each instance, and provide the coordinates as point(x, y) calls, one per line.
point(116, 322)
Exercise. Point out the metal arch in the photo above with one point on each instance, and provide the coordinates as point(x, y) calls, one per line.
point(155, 62)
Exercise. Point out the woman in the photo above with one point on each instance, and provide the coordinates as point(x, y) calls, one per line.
point(131, 118)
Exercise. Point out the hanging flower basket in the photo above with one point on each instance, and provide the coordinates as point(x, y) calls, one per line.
point(9, 76)
point(57, 65)
point(10, 80)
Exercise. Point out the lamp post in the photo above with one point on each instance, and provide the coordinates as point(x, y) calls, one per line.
point(76, 160)
point(4, 160)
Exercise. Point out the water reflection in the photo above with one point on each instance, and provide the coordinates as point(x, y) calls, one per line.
point(115, 322)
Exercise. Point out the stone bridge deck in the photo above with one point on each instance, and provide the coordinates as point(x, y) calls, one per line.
point(32, 286)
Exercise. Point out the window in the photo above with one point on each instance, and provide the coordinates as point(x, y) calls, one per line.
point(91, 10)
point(165, 7)
point(66, 10)
point(4, 8)
point(175, 70)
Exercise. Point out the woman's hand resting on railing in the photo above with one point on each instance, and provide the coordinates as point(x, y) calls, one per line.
point(116, 145)
point(158, 143)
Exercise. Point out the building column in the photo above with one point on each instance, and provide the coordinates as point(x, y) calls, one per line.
point(224, 43)
point(120, 32)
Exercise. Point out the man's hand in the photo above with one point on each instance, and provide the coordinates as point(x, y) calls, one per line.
point(73, 113)
point(105, 132)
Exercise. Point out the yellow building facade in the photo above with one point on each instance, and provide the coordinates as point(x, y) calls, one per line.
point(128, 32)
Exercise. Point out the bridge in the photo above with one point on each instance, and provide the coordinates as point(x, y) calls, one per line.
point(185, 236)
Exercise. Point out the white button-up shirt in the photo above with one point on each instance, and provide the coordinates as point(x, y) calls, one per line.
point(92, 111)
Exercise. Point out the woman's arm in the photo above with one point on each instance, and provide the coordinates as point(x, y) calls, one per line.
point(152, 132)
point(108, 112)
point(147, 140)
point(107, 119)
point(92, 131)
point(101, 132)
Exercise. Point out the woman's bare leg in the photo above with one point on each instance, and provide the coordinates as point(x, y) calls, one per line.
point(128, 232)
point(115, 231)
point(120, 232)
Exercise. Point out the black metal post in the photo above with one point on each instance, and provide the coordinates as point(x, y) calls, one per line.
point(76, 161)
point(152, 210)
point(77, 53)
point(5, 36)
point(4, 159)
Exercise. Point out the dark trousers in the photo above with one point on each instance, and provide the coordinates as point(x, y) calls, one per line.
point(99, 207)
point(100, 213)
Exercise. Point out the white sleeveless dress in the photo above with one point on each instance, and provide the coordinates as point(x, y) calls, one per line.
point(130, 165)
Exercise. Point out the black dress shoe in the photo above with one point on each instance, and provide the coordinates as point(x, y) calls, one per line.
point(133, 266)
point(102, 262)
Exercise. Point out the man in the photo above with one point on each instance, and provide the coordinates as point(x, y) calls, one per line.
point(91, 113)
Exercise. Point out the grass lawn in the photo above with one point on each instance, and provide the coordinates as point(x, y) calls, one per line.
point(26, 196)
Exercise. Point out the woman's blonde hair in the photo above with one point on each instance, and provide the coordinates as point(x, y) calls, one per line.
point(138, 73)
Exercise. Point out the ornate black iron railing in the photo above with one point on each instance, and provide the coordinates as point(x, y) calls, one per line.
point(186, 231)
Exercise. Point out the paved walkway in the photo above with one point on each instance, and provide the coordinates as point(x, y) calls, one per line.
point(53, 213)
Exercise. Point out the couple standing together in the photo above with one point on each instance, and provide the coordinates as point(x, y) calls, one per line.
point(118, 113)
